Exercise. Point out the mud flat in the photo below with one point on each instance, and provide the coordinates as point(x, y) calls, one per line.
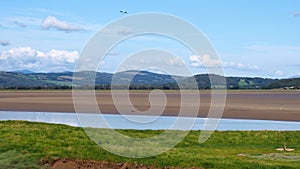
point(265, 105)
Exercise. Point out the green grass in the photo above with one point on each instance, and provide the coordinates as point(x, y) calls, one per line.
point(24, 144)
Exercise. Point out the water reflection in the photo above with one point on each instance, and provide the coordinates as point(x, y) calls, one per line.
point(163, 122)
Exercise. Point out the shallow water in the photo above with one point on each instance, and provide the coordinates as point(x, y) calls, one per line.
point(130, 121)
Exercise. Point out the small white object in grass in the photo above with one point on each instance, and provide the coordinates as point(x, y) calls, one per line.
point(284, 148)
point(287, 149)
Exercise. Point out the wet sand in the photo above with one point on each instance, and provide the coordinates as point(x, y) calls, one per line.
point(266, 105)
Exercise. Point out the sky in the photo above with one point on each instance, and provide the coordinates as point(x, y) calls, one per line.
point(252, 38)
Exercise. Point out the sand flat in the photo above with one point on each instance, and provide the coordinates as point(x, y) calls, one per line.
point(266, 105)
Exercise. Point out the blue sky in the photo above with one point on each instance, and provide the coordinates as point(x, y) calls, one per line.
point(252, 38)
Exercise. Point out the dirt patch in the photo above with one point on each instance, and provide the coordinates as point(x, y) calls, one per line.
point(91, 164)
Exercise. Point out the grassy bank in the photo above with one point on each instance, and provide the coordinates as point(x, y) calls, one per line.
point(24, 144)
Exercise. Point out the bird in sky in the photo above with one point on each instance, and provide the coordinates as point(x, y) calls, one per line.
point(123, 12)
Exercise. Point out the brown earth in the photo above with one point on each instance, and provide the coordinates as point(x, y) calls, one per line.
point(91, 164)
point(268, 105)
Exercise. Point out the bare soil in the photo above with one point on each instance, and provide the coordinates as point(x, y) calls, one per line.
point(91, 164)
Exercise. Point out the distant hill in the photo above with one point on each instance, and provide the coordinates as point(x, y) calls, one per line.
point(203, 81)
point(137, 79)
point(144, 77)
point(292, 83)
point(20, 80)
point(248, 82)
point(24, 71)
point(295, 76)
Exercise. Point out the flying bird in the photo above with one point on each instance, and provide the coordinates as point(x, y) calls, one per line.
point(123, 12)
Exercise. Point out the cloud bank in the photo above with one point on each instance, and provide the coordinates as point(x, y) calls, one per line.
point(204, 61)
point(53, 22)
point(30, 59)
point(208, 62)
point(241, 66)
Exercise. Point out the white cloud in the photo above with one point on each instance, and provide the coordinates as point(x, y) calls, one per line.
point(53, 22)
point(4, 43)
point(204, 61)
point(207, 61)
point(175, 61)
point(63, 56)
point(296, 14)
point(20, 21)
point(278, 73)
point(240, 66)
point(28, 58)
point(24, 20)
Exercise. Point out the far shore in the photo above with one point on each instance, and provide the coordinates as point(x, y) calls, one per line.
point(241, 104)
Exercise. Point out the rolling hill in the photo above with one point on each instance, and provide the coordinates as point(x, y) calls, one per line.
point(136, 80)
point(291, 83)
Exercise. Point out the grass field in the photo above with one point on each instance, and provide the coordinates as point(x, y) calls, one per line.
point(25, 144)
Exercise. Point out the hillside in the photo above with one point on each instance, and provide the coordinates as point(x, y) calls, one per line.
point(203, 81)
point(15, 79)
point(292, 83)
point(138, 80)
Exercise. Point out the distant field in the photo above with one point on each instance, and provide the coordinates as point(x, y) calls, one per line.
point(32, 145)
point(244, 104)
